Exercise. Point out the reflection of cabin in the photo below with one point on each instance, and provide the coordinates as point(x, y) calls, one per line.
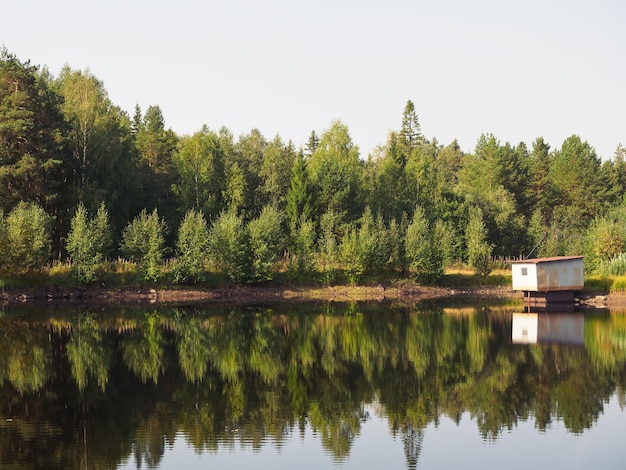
point(560, 328)
point(545, 280)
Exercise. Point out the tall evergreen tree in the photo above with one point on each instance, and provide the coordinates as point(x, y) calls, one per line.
point(311, 144)
point(298, 201)
point(575, 174)
point(539, 190)
point(33, 157)
point(410, 132)
point(156, 148)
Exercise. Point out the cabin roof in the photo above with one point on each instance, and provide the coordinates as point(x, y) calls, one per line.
point(546, 260)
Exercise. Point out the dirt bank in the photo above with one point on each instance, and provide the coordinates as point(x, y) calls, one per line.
point(240, 295)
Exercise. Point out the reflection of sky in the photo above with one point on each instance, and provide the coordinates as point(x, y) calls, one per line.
point(446, 446)
point(452, 447)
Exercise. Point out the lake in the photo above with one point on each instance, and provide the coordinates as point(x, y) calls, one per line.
point(441, 384)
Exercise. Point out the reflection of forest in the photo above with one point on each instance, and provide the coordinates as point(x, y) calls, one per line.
point(83, 389)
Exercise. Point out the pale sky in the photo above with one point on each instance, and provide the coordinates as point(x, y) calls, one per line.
point(518, 70)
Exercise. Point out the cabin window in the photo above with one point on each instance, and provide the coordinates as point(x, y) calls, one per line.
point(524, 271)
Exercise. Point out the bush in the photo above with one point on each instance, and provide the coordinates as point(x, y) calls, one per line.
point(301, 261)
point(192, 248)
point(143, 241)
point(88, 242)
point(266, 242)
point(229, 246)
point(24, 239)
point(478, 250)
point(424, 258)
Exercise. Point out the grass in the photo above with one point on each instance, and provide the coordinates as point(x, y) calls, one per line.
point(460, 276)
point(120, 273)
point(606, 284)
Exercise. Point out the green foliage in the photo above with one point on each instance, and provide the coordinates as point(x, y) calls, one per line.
point(410, 132)
point(88, 242)
point(192, 248)
point(276, 171)
point(575, 176)
point(87, 354)
point(615, 266)
point(156, 152)
point(266, 242)
point(32, 133)
point(605, 242)
point(201, 174)
point(351, 256)
point(423, 254)
point(101, 143)
point(366, 248)
point(336, 173)
point(26, 239)
point(478, 249)
point(143, 241)
point(299, 199)
point(229, 246)
point(328, 245)
point(396, 234)
point(236, 188)
point(64, 142)
point(302, 259)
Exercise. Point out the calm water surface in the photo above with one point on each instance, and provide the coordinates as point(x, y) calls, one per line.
point(438, 385)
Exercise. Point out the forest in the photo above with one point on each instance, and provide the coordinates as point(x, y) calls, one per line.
point(89, 190)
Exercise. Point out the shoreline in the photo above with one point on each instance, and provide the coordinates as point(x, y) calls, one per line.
point(242, 295)
point(404, 293)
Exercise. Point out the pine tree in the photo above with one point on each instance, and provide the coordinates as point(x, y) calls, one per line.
point(410, 132)
point(312, 144)
point(33, 161)
point(299, 197)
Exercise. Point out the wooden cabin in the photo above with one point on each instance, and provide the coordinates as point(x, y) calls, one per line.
point(549, 279)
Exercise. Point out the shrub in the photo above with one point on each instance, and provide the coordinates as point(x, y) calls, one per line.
point(25, 239)
point(266, 242)
point(88, 242)
point(478, 250)
point(192, 248)
point(424, 258)
point(229, 246)
point(143, 241)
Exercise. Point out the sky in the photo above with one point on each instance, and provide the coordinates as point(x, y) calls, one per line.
point(516, 69)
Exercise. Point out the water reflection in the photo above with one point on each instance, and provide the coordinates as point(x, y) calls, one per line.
point(81, 389)
point(553, 328)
